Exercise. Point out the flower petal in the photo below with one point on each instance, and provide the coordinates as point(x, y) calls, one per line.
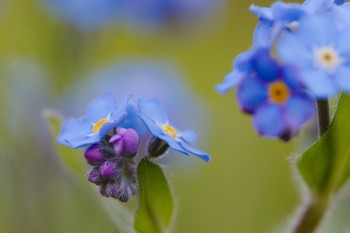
point(231, 80)
point(319, 82)
point(317, 29)
point(188, 135)
point(299, 109)
point(269, 121)
point(293, 50)
point(101, 107)
point(343, 45)
point(251, 94)
point(342, 78)
point(173, 143)
point(202, 155)
point(152, 110)
point(74, 133)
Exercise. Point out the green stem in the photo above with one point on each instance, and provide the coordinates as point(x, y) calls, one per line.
point(314, 210)
point(323, 116)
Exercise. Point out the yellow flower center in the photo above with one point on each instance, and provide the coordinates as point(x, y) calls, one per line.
point(278, 92)
point(99, 124)
point(169, 130)
point(327, 57)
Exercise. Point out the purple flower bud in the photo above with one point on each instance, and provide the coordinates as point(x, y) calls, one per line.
point(94, 176)
point(94, 155)
point(111, 168)
point(126, 142)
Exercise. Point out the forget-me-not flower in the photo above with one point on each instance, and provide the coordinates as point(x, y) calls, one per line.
point(103, 114)
point(321, 53)
point(157, 121)
point(275, 97)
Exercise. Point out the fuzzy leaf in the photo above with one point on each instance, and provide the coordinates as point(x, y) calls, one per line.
point(156, 204)
point(326, 164)
point(72, 159)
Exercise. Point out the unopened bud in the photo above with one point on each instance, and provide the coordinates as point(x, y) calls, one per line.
point(125, 142)
point(94, 155)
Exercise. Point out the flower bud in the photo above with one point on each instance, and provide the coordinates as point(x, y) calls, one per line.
point(157, 147)
point(94, 155)
point(126, 142)
point(94, 176)
point(111, 168)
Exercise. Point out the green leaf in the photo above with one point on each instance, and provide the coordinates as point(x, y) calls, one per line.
point(72, 159)
point(325, 166)
point(156, 203)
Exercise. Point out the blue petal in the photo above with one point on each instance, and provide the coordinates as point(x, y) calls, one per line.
point(105, 128)
point(319, 82)
point(132, 120)
point(315, 6)
point(188, 136)
point(101, 107)
point(263, 13)
point(251, 94)
point(120, 112)
point(173, 143)
point(204, 156)
point(343, 45)
point(152, 110)
point(341, 15)
point(287, 12)
point(266, 67)
point(342, 78)
point(294, 51)
point(339, 2)
point(269, 121)
point(299, 109)
point(317, 30)
point(263, 35)
point(291, 77)
point(151, 125)
point(231, 80)
point(74, 133)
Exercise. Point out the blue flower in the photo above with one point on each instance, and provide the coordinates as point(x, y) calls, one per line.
point(86, 14)
point(273, 20)
point(156, 120)
point(275, 97)
point(242, 67)
point(103, 114)
point(321, 53)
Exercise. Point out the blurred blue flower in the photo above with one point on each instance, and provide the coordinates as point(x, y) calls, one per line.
point(275, 97)
point(321, 53)
point(156, 119)
point(86, 14)
point(103, 114)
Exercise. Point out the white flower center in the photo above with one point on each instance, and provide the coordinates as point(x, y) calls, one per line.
point(293, 26)
point(327, 58)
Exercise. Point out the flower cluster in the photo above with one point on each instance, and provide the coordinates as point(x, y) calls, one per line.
point(300, 54)
point(113, 136)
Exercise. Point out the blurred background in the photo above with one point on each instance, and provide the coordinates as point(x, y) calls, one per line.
point(59, 54)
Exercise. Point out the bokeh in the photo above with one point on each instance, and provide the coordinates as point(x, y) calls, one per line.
point(60, 54)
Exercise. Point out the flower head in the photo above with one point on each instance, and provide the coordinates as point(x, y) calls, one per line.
point(322, 54)
point(156, 120)
point(275, 97)
point(103, 114)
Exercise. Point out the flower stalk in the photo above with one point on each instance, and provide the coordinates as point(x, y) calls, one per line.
point(315, 209)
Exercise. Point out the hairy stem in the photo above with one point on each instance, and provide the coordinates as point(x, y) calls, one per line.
point(311, 216)
point(323, 116)
point(315, 209)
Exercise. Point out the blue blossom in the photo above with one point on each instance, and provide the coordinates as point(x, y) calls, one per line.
point(103, 114)
point(274, 95)
point(273, 20)
point(157, 121)
point(242, 67)
point(321, 53)
point(86, 14)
